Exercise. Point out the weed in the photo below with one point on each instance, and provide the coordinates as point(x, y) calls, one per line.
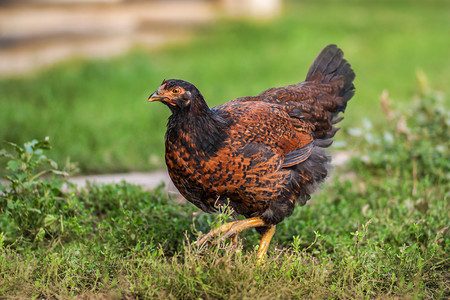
point(31, 208)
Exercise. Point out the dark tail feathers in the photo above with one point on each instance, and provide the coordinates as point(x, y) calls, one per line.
point(331, 67)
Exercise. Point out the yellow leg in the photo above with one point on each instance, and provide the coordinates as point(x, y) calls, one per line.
point(265, 241)
point(231, 229)
point(215, 232)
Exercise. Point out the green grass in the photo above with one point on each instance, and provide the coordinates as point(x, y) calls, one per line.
point(95, 111)
point(379, 229)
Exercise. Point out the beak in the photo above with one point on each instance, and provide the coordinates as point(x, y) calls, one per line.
point(156, 97)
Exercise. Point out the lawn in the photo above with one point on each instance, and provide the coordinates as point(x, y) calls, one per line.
point(95, 111)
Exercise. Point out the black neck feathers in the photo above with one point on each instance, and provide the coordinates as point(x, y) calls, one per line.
point(197, 128)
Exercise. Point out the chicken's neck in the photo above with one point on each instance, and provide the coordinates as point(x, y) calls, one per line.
point(196, 128)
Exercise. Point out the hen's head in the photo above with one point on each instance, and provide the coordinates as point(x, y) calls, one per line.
point(176, 93)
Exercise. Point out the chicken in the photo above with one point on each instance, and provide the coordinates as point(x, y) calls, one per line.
point(261, 154)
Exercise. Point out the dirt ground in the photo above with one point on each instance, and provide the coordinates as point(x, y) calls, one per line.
point(148, 180)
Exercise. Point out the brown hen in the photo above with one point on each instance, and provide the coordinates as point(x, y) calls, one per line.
point(260, 154)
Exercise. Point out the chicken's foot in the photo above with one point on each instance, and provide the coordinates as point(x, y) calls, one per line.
point(232, 229)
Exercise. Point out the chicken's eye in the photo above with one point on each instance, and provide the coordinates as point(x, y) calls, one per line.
point(175, 91)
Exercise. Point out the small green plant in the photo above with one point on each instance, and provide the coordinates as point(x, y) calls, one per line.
point(32, 201)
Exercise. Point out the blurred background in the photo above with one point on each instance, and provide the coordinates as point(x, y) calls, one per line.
point(80, 71)
point(36, 33)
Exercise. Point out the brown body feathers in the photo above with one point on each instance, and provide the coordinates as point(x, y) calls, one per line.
point(262, 154)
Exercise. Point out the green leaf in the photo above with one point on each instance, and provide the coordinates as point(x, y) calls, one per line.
point(61, 173)
point(29, 147)
point(4, 153)
point(40, 235)
point(10, 204)
point(18, 149)
point(13, 165)
point(44, 144)
point(34, 210)
point(49, 220)
point(53, 164)
point(13, 178)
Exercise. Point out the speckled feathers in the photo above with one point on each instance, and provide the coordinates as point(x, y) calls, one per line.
point(262, 154)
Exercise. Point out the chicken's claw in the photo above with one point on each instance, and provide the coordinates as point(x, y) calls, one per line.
point(232, 229)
